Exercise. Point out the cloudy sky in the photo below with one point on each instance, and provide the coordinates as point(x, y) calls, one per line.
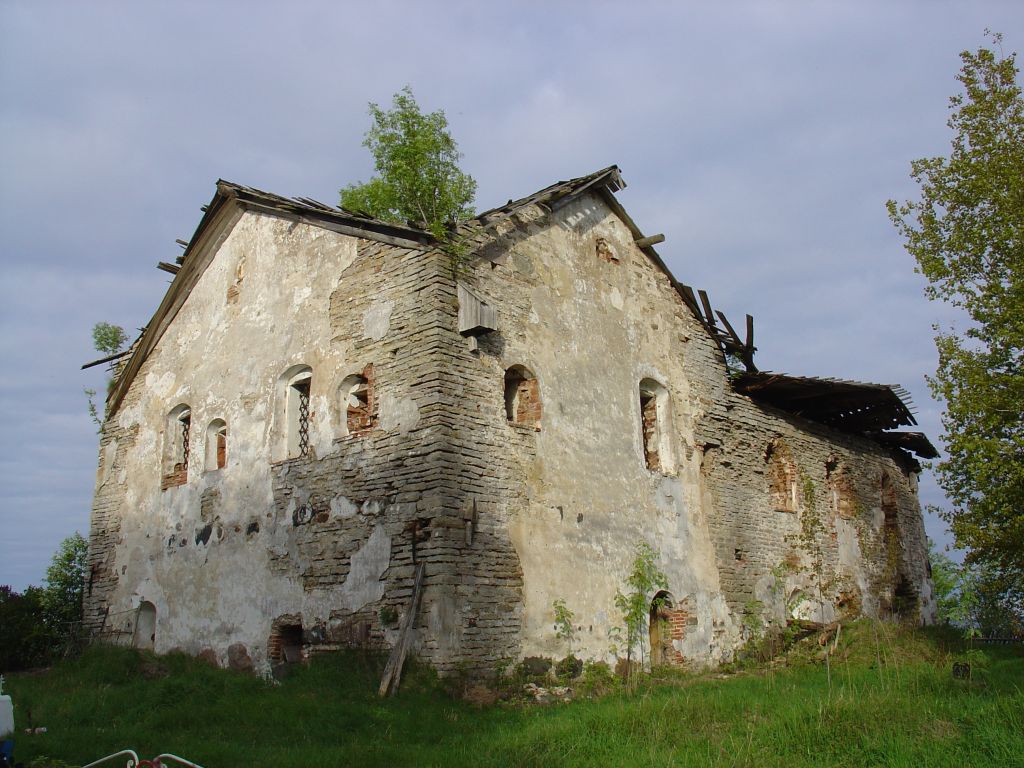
point(762, 138)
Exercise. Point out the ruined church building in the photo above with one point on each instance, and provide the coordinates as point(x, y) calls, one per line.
point(323, 403)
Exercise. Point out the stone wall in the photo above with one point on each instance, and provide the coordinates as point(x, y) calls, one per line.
point(522, 464)
point(322, 541)
point(595, 322)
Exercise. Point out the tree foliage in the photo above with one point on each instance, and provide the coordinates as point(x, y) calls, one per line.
point(109, 339)
point(25, 640)
point(41, 623)
point(416, 158)
point(64, 587)
point(644, 579)
point(967, 234)
point(976, 598)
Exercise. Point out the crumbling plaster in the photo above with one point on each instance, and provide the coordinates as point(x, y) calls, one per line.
point(225, 358)
point(590, 329)
point(507, 516)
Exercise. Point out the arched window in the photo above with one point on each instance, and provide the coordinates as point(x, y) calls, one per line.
point(297, 410)
point(522, 397)
point(216, 445)
point(781, 477)
point(355, 401)
point(654, 420)
point(177, 441)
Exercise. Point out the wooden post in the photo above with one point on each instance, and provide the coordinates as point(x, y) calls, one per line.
point(393, 670)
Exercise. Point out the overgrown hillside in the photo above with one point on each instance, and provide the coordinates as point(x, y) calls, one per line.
point(888, 697)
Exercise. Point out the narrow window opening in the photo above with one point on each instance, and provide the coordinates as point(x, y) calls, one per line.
point(177, 447)
point(356, 401)
point(522, 397)
point(185, 424)
point(654, 434)
point(782, 487)
point(302, 389)
point(216, 445)
point(298, 411)
point(649, 419)
point(841, 487)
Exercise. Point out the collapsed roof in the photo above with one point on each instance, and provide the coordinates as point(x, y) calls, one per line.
point(849, 406)
point(867, 409)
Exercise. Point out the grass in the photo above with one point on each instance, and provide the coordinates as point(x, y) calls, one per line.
point(888, 699)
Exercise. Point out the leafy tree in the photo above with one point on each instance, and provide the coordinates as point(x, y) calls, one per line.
point(946, 581)
point(418, 179)
point(967, 234)
point(25, 640)
point(64, 586)
point(39, 623)
point(976, 598)
point(108, 338)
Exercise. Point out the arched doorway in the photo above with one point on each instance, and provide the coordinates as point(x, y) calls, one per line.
point(145, 627)
point(662, 652)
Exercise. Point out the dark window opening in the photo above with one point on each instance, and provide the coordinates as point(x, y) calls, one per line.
point(904, 600)
point(285, 644)
point(522, 397)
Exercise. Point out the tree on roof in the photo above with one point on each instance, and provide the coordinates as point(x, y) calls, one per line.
point(418, 178)
point(967, 234)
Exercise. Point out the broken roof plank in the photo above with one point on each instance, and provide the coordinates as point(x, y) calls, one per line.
point(848, 405)
point(107, 359)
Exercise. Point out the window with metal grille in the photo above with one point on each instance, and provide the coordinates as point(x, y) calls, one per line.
point(299, 412)
point(185, 421)
point(302, 388)
point(177, 447)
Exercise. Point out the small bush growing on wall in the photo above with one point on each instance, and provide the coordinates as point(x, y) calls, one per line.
point(564, 629)
point(643, 581)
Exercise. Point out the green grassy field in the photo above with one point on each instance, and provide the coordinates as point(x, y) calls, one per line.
point(888, 698)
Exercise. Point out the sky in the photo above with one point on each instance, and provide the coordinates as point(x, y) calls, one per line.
point(762, 138)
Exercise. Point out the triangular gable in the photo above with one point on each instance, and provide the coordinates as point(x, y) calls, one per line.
point(229, 203)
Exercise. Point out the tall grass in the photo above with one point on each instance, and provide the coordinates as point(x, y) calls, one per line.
point(892, 702)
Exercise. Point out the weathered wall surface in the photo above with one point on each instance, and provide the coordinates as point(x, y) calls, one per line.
point(591, 317)
point(753, 512)
point(319, 541)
